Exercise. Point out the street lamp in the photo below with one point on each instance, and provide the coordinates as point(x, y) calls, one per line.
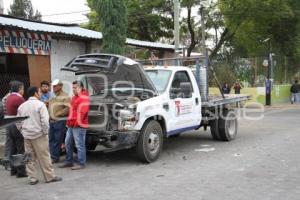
point(268, 81)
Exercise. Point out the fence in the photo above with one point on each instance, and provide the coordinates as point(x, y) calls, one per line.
point(252, 73)
point(280, 93)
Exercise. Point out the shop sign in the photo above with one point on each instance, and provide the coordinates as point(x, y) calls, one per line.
point(25, 42)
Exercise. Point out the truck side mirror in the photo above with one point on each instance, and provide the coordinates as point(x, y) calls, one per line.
point(186, 89)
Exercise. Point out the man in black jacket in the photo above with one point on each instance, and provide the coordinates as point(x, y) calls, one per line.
point(295, 92)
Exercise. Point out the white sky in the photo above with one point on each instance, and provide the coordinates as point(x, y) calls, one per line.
point(49, 7)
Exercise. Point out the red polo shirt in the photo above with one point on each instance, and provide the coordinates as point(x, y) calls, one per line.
point(14, 100)
point(78, 115)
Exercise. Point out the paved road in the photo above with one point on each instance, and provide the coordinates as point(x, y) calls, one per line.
point(262, 163)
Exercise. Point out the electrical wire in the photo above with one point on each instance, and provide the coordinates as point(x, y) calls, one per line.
point(66, 13)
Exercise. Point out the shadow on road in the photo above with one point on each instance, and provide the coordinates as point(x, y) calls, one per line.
point(172, 145)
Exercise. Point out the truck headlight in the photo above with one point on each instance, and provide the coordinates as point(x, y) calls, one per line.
point(127, 119)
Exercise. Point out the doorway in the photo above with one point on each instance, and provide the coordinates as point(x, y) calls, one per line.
point(13, 67)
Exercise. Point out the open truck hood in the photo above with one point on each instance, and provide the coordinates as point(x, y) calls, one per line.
point(116, 68)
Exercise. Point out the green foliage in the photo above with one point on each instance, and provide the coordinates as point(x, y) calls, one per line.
point(24, 9)
point(150, 20)
point(147, 20)
point(253, 21)
point(93, 23)
point(256, 20)
point(112, 16)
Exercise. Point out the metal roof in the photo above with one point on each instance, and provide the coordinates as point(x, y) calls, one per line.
point(49, 27)
point(149, 44)
point(71, 30)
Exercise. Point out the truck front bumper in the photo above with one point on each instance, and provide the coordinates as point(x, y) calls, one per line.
point(113, 140)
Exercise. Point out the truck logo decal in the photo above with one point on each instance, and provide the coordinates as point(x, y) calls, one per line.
point(177, 105)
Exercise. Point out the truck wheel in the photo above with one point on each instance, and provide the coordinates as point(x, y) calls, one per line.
point(214, 129)
point(150, 142)
point(228, 125)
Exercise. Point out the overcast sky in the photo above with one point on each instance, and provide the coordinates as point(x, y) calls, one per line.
point(50, 7)
point(77, 8)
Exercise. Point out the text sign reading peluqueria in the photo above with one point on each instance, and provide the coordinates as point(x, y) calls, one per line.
point(25, 42)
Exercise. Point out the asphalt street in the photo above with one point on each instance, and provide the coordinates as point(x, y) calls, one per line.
point(262, 163)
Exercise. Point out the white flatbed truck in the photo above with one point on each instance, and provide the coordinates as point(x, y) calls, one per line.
point(136, 107)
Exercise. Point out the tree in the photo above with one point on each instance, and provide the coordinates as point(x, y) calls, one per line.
point(112, 16)
point(250, 22)
point(93, 23)
point(191, 27)
point(24, 9)
point(147, 20)
point(150, 20)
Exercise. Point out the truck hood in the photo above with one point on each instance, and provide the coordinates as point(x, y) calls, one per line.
point(117, 70)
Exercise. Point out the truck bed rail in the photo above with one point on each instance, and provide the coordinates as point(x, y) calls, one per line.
point(214, 101)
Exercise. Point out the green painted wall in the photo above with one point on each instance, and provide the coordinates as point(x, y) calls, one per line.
point(280, 93)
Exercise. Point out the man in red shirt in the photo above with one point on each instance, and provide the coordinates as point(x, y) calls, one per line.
point(77, 124)
point(15, 140)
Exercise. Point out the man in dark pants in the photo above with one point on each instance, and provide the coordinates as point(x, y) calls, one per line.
point(237, 88)
point(15, 140)
point(295, 92)
point(7, 141)
point(58, 110)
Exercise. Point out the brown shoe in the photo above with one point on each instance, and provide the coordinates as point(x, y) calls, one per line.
point(66, 165)
point(55, 179)
point(78, 167)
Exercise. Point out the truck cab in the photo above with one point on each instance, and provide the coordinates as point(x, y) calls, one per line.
point(179, 98)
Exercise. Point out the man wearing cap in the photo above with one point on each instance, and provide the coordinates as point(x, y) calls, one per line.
point(58, 111)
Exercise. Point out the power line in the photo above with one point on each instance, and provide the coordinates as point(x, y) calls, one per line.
point(66, 13)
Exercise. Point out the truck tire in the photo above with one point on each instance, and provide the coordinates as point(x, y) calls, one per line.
point(150, 142)
point(228, 125)
point(214, 129)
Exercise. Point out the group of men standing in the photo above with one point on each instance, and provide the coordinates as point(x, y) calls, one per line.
point(50, 116)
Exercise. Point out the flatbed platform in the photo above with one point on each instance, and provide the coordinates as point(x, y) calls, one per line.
point(215, 100)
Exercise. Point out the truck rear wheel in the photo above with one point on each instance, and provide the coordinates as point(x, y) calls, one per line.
point(150, 142)
point(214, 129)
point(228, 125)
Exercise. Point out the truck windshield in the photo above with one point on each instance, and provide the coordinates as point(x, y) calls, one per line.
point(160, 78)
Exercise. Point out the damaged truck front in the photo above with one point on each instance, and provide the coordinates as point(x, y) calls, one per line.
point(118, 89)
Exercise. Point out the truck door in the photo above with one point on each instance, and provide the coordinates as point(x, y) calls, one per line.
point(185, 106)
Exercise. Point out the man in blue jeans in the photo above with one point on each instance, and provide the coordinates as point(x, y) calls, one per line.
point(58, 109)
point(77, 124)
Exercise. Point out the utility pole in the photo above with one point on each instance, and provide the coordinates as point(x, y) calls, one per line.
point(176, 29)
point(203, 31)
point(1, 7)
point(203, 49)
point(268, 82)
point(269, 73)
